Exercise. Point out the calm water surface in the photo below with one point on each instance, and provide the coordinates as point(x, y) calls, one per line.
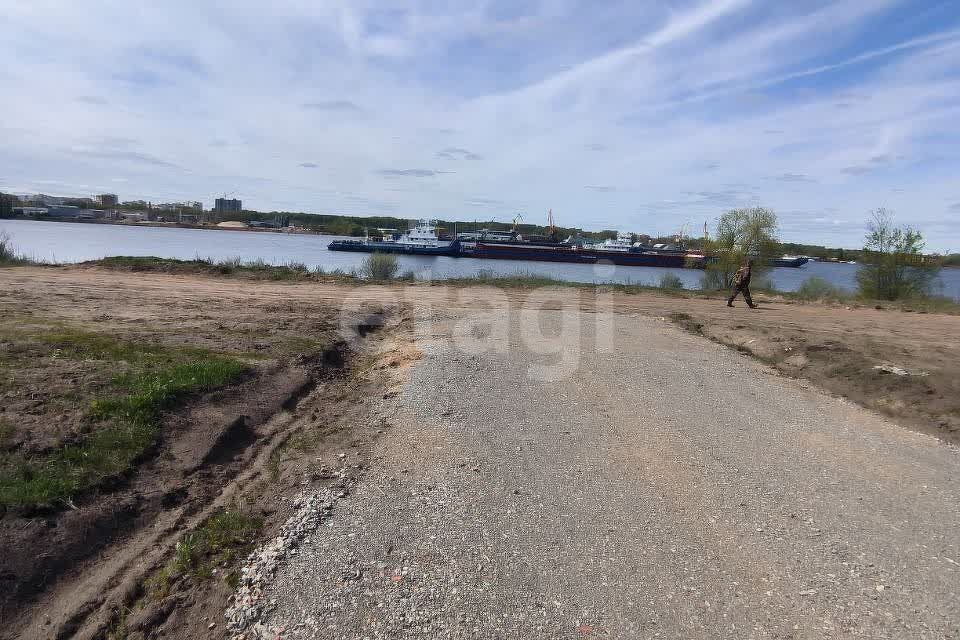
point(76, 242)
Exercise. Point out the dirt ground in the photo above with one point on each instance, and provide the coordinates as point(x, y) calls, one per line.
point(303, 393)
point(236, 448)
point(835, 346)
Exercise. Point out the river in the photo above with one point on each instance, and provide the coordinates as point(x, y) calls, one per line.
point(76, 242)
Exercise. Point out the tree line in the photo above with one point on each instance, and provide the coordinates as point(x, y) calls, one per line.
point(893, 264)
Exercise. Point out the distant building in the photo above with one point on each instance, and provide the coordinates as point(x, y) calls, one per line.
point(228, 205)
point(45, 200)
point(30, 212)
point(67, 212)
point(106, 200)
point(179, 206)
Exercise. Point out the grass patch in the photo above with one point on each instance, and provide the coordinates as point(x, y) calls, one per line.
point(233, 267)
point(687, 322)
point(218, 541)
point(380, 267)
point(125, 424)
point(523, 280)
point(8, 253)
point(84, 345)
point(671, 281)
point(518, 280)
point(816, 288)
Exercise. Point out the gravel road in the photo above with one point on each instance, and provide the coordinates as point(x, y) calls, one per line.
point(661, 486)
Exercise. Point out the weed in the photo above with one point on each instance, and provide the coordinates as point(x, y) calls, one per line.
point(816, 288)
point(217, 541)
point(671, 281)
point(380, 266)
point(233, 267)
point(273, 463)
point(117, 629)
point(157, 586)
point(8, 254)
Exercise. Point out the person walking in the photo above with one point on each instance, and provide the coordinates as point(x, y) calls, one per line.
point(741, 284)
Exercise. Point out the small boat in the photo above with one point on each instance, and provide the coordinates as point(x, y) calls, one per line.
point(789, 261)
point(421, 240)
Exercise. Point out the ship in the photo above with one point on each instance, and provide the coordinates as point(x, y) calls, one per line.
point(623, 251)
point(789, 261)
point(520, 250)
point(421, 240)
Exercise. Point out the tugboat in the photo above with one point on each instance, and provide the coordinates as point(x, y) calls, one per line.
point(421, 240)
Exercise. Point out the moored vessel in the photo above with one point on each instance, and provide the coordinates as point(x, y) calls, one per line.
point(421, 240)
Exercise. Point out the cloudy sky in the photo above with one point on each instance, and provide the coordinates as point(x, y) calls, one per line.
point(641, 115)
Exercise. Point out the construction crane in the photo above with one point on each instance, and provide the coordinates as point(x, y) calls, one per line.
point(551, 228)
point(515, 218)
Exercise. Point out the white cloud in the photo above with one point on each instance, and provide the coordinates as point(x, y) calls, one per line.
point(621, 112)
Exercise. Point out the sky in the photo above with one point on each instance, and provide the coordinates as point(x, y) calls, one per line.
point(639, 115)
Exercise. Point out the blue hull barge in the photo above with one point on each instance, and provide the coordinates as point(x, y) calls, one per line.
point(452, 249)
point(422, 240)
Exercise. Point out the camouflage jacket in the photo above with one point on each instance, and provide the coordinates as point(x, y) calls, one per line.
point(742, 277)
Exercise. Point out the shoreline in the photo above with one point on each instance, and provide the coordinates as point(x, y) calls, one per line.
point(177, 225)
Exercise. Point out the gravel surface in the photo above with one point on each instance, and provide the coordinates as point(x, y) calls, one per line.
point(664, 487)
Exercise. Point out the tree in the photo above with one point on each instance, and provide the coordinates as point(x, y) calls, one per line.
point(893, 265)
point(742, 234)
point(6, 205)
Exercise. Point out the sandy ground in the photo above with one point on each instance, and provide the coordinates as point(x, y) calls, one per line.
point(834, 346)
point(642, 401)
point(211, 450)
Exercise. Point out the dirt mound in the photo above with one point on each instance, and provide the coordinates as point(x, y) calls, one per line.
point(204, 444)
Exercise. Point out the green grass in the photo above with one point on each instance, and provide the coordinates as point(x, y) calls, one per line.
point(233, 267)
point(671, 281)
point(380, 267)
point(125, 423)
point(523, 280)
point(85, 345)
point(218, 541)
point(816, 288)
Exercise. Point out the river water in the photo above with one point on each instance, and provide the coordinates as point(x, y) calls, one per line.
point(76, 242)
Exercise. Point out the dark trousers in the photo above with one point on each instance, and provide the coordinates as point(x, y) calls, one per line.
point(745, 290)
